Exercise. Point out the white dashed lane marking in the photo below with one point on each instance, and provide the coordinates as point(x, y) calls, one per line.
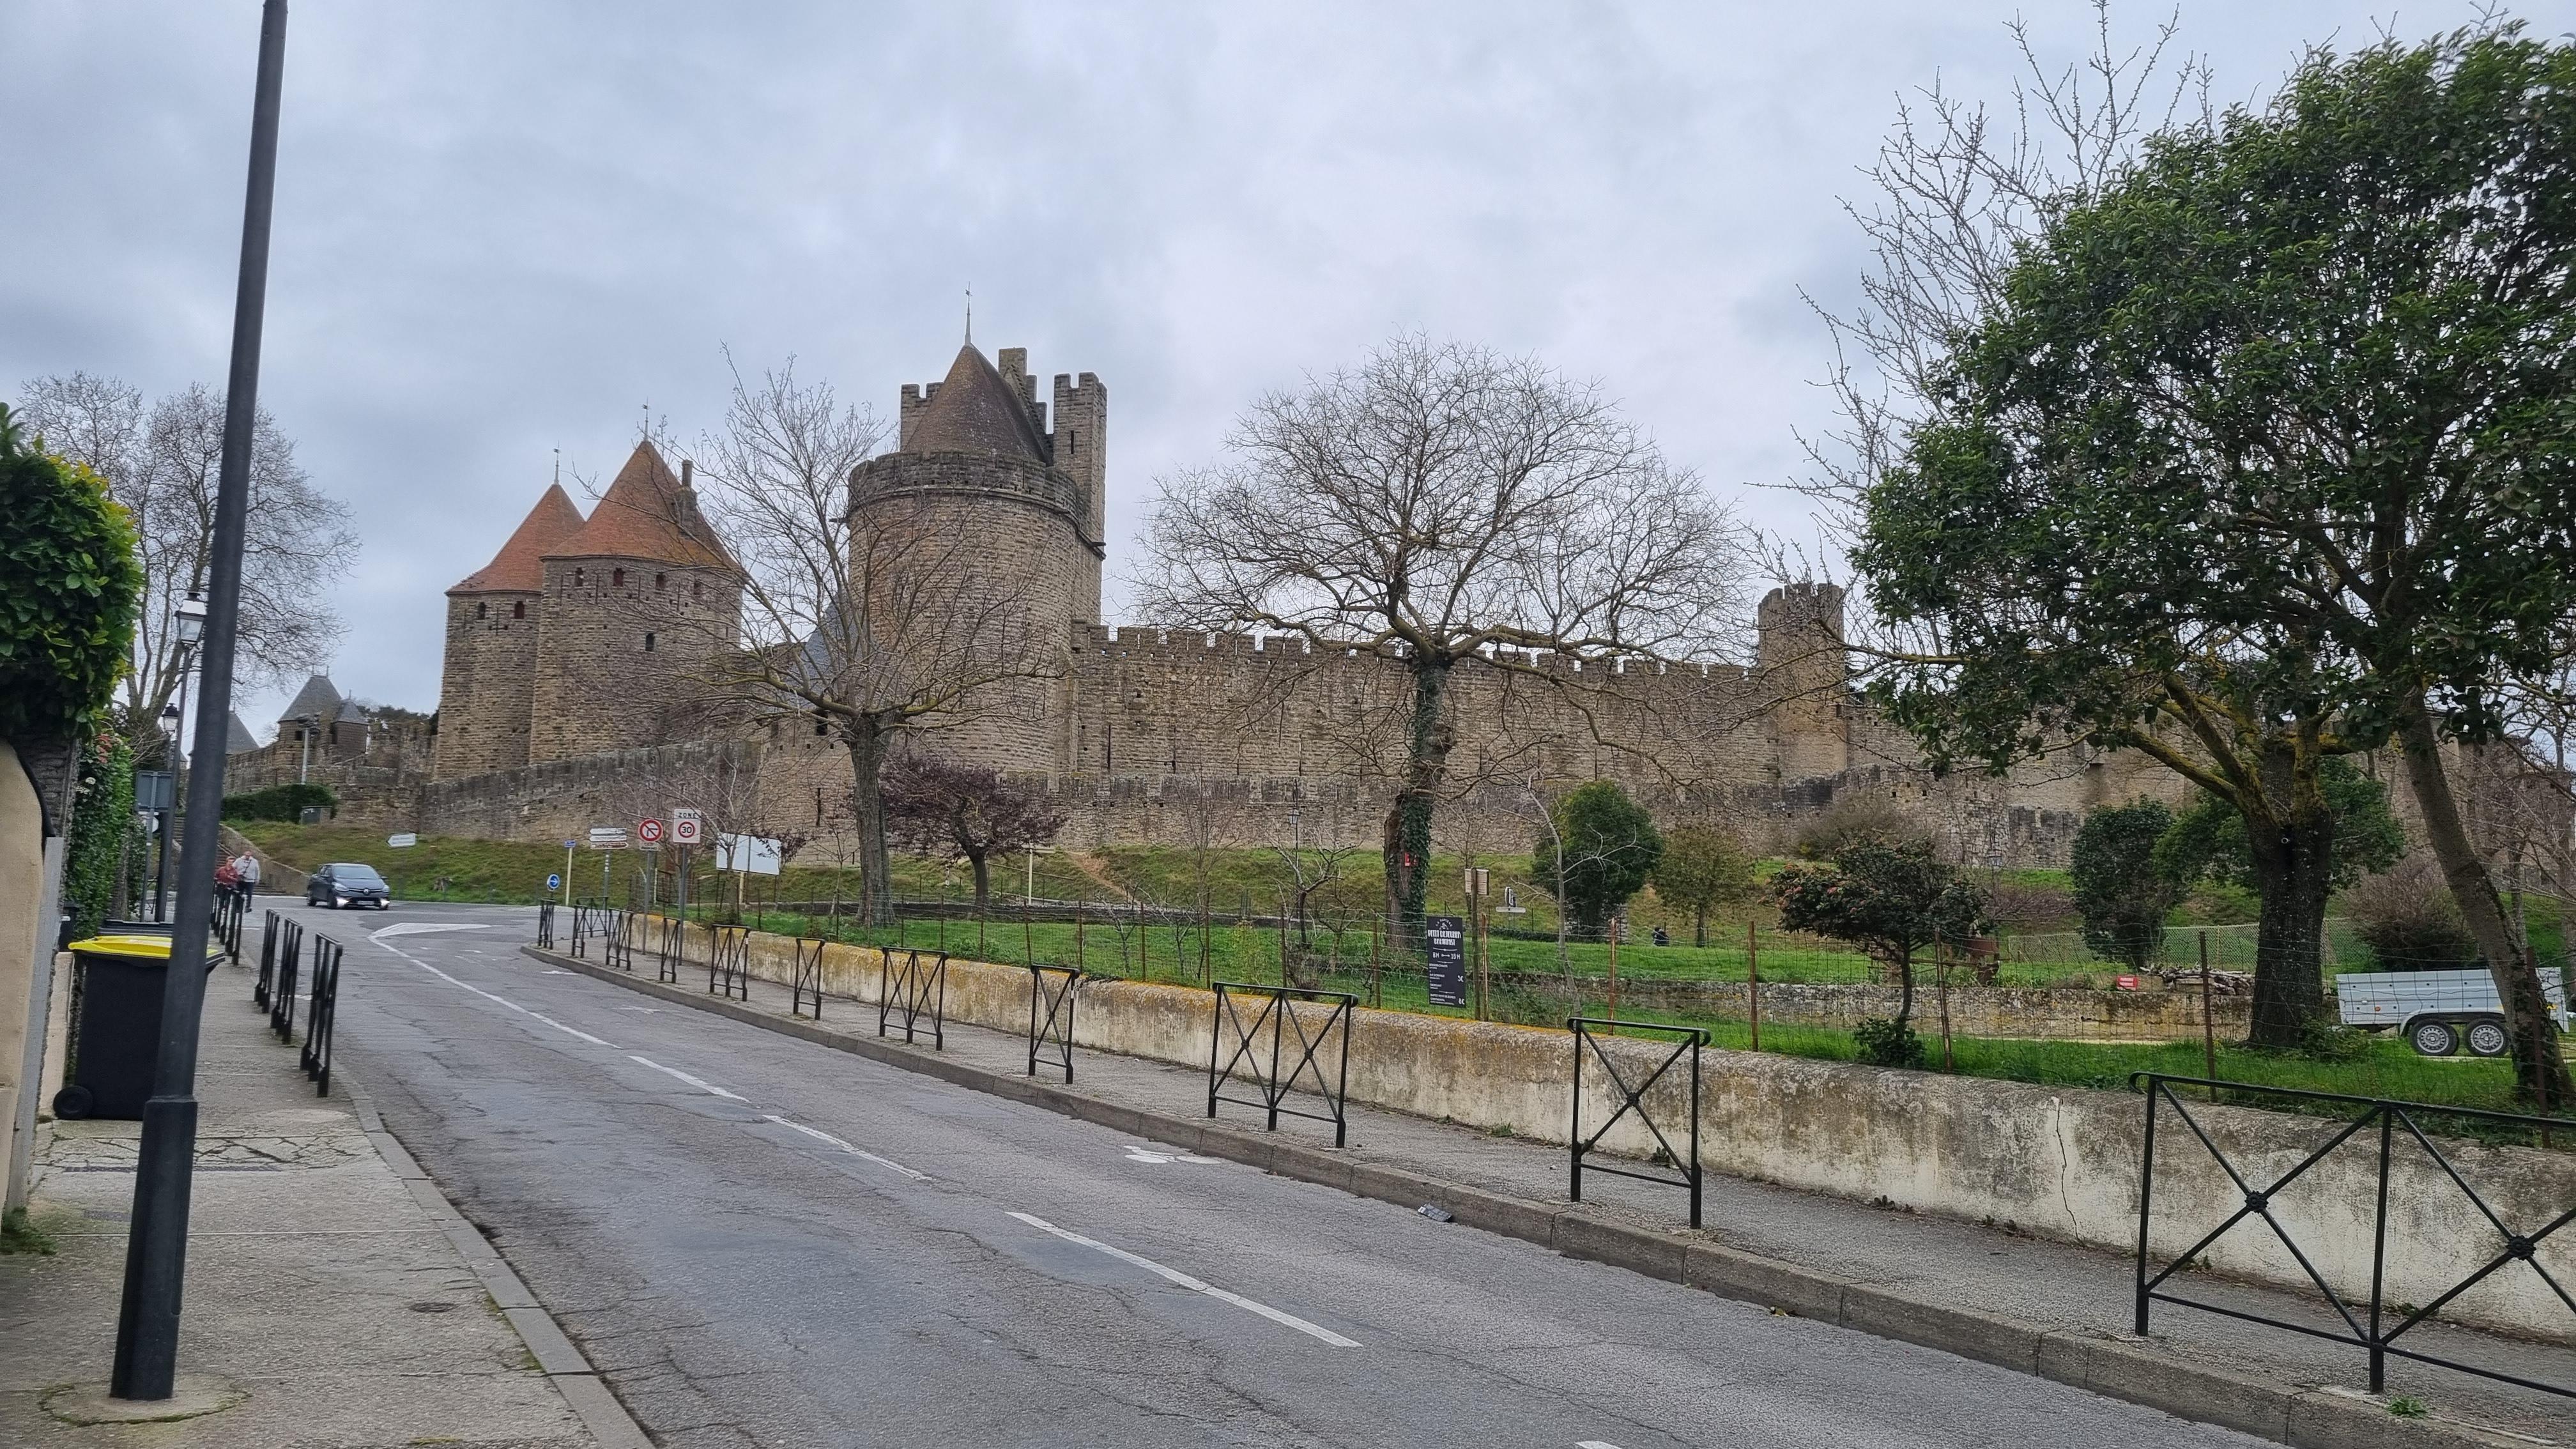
point(1175, 1275)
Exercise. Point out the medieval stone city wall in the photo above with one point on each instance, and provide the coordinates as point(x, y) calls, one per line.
point(619, 650)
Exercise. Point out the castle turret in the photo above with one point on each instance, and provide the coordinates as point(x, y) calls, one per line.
point(1801, 664)
point(636, 602)
point(975, 462)
point(486, 695)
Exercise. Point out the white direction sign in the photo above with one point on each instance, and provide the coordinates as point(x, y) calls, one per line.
point(608, 837)
point(685, 829)
point(403, 840)
point(750, 854)
point(649, 831)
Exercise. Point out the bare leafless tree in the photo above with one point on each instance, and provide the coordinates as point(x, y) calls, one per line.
point(161, 464)
point(867, 618)
point(1445, 507)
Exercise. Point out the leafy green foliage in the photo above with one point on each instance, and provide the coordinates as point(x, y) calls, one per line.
point(1702, 868)
point(69, 585)
point(1891, 899)
point(2120, 893)
point(1607, 848)
point(282, 802)
point(1887, 1041)
point(102, 821)
point(2208, 838)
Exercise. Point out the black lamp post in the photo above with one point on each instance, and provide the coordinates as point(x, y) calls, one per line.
point(156, 1248)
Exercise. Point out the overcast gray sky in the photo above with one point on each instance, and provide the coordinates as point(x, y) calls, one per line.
point(503, 228)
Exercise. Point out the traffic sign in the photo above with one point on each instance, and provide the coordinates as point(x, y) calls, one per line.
point(553, 882)
point(684, 827)
point(649, 831)
point(404, 840)
point(608, 837)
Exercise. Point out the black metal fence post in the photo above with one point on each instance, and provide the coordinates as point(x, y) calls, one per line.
point(321, 1013)
point(912, 991)
point(1688, 1043)
point(1278, 1017)
point(807, 984)
point(2367, 1330)
point(1055, 1029)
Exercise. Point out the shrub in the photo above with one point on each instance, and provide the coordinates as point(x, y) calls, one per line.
point(1610, 848)
point(2410, 920)
point(69, 586)
point(2119, 891)
point(282, 802)
point(1855, 818)
point(102, 814)
point(1886, 1041)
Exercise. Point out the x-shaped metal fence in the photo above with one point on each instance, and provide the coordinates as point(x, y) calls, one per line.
point(1051, 1015)
point(1687, 1042)
point(546, 926)
point(729, 962)
point(2365, 1325)
point(912, 985)
point(672, 945)
point(321, 1013)
point(1279, 1018)
point(805, 986)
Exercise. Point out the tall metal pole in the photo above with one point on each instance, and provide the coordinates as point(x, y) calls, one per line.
point(156, 1251)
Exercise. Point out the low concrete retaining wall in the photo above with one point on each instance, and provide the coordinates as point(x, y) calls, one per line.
point(2056, 1162)
point(2155, 1014)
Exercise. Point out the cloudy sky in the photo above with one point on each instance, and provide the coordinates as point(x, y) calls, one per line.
point(506, 228)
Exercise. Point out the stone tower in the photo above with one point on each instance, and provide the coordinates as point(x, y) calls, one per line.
point(635, 604)
point(1801, 663)
point(976, 462)
point(486, 695)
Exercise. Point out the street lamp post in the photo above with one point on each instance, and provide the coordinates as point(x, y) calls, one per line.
point(161, 816)
point(156, 1250)
point(190, 620)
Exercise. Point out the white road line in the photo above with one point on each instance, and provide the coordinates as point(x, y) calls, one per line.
point(1594, 1444)
point(820, 1135)
point(1175, 1275)
point(378, 938)
point(703, 1086)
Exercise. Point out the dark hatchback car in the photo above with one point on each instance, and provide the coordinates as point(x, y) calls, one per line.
point(347, 884)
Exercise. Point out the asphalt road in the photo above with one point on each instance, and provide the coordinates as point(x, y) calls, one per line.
point(765, 1242)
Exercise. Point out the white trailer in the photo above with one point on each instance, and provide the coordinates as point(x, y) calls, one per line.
point(2440, 1011)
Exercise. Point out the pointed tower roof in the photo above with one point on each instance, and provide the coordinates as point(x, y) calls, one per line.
point(974, 411)
point(237, 736)
point(519, 566)
point(319, 700)
point(646, 514)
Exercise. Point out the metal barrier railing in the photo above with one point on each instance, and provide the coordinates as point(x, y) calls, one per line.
point(322, 1011)
point(912, 991)
point(806, 985)
point(617, 941)
point(225, 928)
point(729, 962)
point(281, 987)
point(1051, 1016)
point(1687, 1043)
point(2364, 1324)
point(585, 924)
point(672, 945)
point(546, 926)
point(1280, 1018)
point(277, 937)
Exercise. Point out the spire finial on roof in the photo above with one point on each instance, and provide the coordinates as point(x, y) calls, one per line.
point(970, 315)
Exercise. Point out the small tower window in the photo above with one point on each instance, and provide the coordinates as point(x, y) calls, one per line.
point(482, 610)
point(648, 643)
point(617, 578)
point(659, 580)
point(518, 608)
point(576, 578)
point(697, 587)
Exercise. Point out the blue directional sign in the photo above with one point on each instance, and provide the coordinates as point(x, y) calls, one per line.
point(554, 882)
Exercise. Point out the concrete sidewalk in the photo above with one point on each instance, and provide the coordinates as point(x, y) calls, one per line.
point(333, 1297)
point(2044, 1307)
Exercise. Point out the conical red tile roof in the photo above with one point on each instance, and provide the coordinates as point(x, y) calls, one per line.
point(646, 514)
point(974, 412)
point(519, 566)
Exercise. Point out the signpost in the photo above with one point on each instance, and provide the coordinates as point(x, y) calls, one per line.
point(685, 829)
point(605, 838)
point(400, 840)
point(649, 831)
point(685, 832)
point(554, 882)
point(752, 854)
point(1446, 939)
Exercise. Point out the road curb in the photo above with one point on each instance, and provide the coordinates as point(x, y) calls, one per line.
point(557, 1357)
point(2134, 1372)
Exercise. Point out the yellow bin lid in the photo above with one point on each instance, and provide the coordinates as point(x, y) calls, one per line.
point(156, 947)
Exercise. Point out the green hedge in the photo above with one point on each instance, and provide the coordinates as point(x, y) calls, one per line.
point(69, 587)
point(102, 818)
point(282, 802)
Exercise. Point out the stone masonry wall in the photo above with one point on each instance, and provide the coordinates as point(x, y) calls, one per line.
point(616, 656)
point(486, 700)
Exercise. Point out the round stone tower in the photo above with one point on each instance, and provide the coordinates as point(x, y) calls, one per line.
point(976, 465)
point(1803, 664)
point(636, 603)
point(486, 694)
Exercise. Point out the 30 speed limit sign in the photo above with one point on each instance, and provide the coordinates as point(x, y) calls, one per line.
point(649, 831)
point(684, 827)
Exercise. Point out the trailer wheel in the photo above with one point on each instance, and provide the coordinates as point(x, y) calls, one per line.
point(2488, 1038)
point(2433, 1038)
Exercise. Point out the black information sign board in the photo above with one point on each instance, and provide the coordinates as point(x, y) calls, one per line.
point(1447, 938)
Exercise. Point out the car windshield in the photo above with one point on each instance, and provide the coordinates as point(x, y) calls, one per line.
point(357, 875)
